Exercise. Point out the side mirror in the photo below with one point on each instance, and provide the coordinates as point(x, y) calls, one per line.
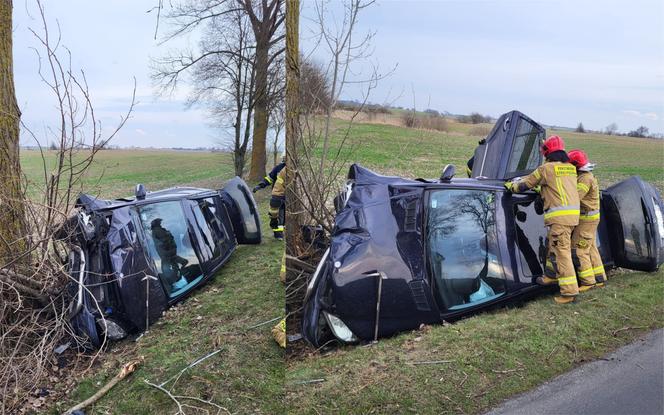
point(448, 173)
point(140, 192)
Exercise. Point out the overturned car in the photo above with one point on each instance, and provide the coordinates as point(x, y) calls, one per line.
point(132, 258)
point(406, 252)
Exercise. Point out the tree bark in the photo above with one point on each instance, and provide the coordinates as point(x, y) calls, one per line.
point(292, 102)
point(11, 204)
point(261, 109)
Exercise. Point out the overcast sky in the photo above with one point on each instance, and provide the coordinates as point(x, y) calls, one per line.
point(559, 61)
point(112, 41)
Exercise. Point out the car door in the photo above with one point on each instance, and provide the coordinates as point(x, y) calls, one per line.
point(242, 211)
point(510, 150)
point(633, 212)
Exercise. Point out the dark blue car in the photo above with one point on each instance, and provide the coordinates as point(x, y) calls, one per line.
point(130, 259)
point(406, 252)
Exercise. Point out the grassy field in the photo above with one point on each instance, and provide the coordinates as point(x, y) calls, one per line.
point(492, 356)
point(247, 375)
point(116, 172)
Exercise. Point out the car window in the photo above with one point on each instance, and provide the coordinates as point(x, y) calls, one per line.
point(530, 237)
point(211, 231)
point(525, 153)
point(170, 247)
point(462, 247)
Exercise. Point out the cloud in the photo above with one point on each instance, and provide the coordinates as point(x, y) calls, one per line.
point(649, 115)
point(141, 131)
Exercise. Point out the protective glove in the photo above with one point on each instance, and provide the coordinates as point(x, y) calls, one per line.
point(255, 189)
point(509, 186)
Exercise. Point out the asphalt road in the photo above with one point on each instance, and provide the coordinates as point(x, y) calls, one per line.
point(629, 381)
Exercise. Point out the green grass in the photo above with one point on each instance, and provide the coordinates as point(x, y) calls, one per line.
point(493, 355)
point(116, 172)
point(247, 375)
point(421, 153)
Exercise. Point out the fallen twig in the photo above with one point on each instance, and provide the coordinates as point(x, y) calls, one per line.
point(506, 371)
point(298, 264)
point(464, 379)
point(615, 332)
point(310, 381)
point(126, 370)
point(551, 354)
point(264, 323)
point(194, 363)
point(431, 362)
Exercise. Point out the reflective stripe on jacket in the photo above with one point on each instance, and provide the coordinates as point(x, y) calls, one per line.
point(271, 178)
point(558, 181)
point(588, 189)
point(279, 188)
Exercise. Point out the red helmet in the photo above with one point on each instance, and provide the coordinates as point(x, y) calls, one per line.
point(551, 144)
point(578, 158)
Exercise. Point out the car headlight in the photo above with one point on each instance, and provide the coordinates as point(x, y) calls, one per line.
point(339, 328)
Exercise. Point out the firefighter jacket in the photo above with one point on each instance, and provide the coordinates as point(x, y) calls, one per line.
point(558, 183)
point(271, 178)
point(588, 189)
point(279, 187)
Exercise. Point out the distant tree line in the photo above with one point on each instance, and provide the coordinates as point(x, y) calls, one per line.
point(612, 129)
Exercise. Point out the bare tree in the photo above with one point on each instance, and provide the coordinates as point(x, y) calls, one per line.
point(580, 128)
point(224, 82)
point(294, 212)
point(12, 215)
point(642, 131)
point(315, 94)
point(611, 129)
point(266, 22)
point(33, 311)
point(317, 155)
point(277, 125)
point(343, 50)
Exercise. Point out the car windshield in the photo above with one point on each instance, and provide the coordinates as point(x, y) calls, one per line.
point(170, 247)
point(462, 247)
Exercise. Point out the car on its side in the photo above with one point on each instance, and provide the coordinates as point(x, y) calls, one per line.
point(407, 252)
point(130, 259)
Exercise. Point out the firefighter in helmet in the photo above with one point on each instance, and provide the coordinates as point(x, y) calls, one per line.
point(557, 178)
point(584, 238)
point(277, 210)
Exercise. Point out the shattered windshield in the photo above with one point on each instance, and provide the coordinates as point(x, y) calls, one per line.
point(170, 247)
point(462, 247)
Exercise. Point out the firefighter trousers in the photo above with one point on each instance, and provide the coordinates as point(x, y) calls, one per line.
point(560, 256)
point(584, 241)
point(277, 215)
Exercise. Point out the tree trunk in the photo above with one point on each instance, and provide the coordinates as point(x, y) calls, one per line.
point(261, 111)
point(11, 206)
point(292, 102)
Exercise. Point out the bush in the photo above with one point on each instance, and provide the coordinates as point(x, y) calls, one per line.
point(474, 118)
point(479, 131)
point(434, 122)
point(411, 119)
point(642, 131)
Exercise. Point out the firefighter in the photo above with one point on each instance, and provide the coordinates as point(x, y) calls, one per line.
point(277, 211)
point(584, 238)
point(557, 179)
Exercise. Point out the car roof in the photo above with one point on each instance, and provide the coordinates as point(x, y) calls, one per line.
point(172, 193)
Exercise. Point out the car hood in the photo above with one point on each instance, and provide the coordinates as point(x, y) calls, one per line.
point(377, 234)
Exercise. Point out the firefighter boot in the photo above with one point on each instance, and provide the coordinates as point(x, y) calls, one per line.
point(544, 280)
point(584, 288)
point(562, 299)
